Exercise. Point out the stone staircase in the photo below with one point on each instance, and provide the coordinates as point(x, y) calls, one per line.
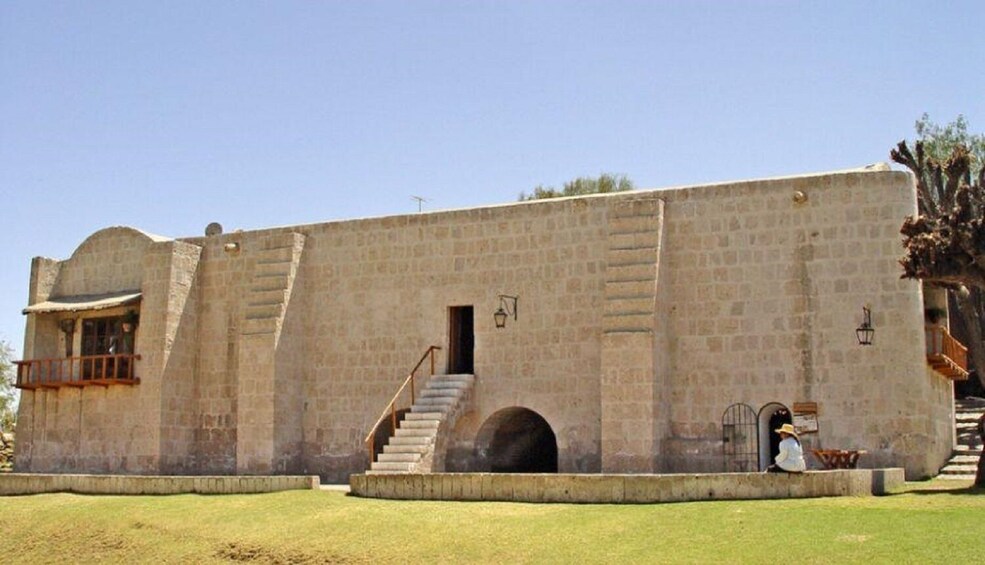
point(411, 449)
point(964, 461)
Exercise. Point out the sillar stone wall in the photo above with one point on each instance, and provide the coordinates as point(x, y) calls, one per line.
point(642, 317)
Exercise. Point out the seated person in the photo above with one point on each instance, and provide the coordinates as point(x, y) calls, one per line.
point(791, 456)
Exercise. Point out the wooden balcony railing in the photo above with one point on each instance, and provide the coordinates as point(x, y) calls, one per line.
point(390, 413)
point(946, 355)
point(89, 370)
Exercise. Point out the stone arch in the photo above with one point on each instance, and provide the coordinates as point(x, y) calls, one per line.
point(771, 416)
point(516, 440)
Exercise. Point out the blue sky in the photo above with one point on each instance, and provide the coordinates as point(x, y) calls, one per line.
point(169, 115)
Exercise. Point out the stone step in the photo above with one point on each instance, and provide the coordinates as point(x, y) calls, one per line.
point(636, 255)
point(968, 449)
point(959, 469)
point(262, 311)
point(967, 417)
point(632, 224)
point(274, 267)
point(963, 459)
point(440, 416)
point(616, 306)
point(636, 289)
point(957, 477)
point(620, 241)
point(435, 401)
point(431, 392)
point(267, 297)
point(414, 432)
point(422, 441)
point(398, 457)
point(966, 425)
point(421, 449)
point(631, 272)
point(628, 322)
point(430, 409)
point(465, 378)
point(391, 467)
point(422, 424)
point(277, 254)
point(450, 385)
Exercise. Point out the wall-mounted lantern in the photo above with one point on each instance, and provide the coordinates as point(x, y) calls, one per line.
point(507, 307)
point(865, 332)
point(67, 326)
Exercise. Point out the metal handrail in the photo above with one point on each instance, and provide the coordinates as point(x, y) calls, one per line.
point(76, 371)
point(391, 407)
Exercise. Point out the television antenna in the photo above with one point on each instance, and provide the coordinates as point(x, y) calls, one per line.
point(420, 202)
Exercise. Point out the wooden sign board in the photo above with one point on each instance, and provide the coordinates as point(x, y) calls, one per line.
point(805, 407)
point(805, 423)
point(805, 417)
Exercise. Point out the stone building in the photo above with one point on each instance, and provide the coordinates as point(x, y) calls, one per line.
point(648, 331)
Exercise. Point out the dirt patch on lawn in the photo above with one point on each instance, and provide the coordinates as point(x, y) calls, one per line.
point(243, 552)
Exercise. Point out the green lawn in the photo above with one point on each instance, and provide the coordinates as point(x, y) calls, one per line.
point(931, 523)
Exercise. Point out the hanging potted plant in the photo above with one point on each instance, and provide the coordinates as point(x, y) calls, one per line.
point(130, 321)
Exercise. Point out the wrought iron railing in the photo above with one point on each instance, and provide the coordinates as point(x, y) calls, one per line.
point(102, 370)
point(391, 409)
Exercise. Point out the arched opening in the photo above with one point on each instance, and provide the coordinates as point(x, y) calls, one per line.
point(383, 433)
point(771, 417)
point(516, 440)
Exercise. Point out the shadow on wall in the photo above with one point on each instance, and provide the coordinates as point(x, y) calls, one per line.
point(515, 440)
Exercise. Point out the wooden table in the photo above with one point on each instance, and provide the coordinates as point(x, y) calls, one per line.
point(838, 458)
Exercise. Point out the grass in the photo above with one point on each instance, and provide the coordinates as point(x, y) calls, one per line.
point(934, 522)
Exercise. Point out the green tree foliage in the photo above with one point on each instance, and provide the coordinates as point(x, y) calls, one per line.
point(606, 182)
point(939, 141)
point(8, 394)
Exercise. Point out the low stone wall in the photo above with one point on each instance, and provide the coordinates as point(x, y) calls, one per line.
point(626, 488)
point(30, 483)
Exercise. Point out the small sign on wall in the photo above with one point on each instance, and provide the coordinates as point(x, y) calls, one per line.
point(805, 417)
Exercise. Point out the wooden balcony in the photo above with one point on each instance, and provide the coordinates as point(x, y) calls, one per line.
point(946, 355)
point(90, 370)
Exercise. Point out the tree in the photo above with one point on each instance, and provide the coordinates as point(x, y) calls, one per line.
point(948, 157)
point(945, 241)
point(606, 182)
point(8, 395)
point(939, 141)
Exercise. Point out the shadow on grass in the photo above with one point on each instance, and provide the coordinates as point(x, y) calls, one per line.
point(942, 489)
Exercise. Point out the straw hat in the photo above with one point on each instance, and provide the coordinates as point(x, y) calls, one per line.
point(787, 429)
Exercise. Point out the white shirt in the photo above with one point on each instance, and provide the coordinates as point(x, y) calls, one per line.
point(791, 456)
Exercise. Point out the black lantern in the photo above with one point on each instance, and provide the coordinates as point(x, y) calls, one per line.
point(865, 332)
point(507, 307)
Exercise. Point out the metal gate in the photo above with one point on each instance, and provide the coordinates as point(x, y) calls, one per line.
point(740, 439)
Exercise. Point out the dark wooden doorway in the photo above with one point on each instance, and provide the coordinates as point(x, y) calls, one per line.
point(461, 340)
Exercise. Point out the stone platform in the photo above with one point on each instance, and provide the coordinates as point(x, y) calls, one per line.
point(32, 483)
point(626, 488)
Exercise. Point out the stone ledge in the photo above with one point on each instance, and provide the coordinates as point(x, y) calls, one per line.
point(632, 489)
point(32, 483)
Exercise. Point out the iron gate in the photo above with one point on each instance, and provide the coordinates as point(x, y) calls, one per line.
point(740, 439)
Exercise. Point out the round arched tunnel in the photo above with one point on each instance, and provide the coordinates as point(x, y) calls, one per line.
point(516, 440)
